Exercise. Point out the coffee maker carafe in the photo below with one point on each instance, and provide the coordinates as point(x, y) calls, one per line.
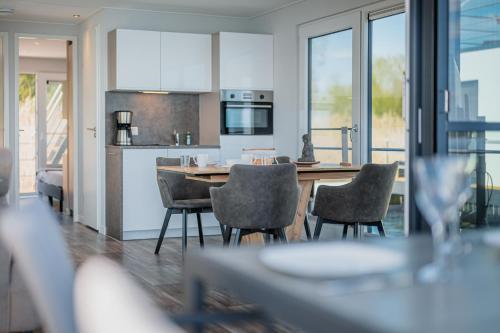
point(123, 130)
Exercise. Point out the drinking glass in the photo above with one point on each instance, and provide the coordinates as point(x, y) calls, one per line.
point(185, 161)
point(443, 187)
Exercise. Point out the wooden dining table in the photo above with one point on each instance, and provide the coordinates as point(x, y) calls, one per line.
point(307, 175)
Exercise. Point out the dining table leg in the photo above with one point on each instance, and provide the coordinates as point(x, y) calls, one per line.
point(294, 231)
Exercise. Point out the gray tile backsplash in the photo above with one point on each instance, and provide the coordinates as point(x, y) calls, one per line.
point(156, 115)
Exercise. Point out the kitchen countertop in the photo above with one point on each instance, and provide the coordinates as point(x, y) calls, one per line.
point(164, 147)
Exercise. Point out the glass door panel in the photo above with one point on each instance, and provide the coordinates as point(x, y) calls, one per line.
point(330, 93)
point(27, 133)
point(330, 86)
point(56, 124)
point(473, 119)
point(386, 138)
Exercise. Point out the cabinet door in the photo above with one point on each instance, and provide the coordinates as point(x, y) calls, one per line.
point(186, 61)
point(138, 60)
point(246, 61)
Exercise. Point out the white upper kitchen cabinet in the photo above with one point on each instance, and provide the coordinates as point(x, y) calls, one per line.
point(186, 62)
point(134, 60)
point(245, 61)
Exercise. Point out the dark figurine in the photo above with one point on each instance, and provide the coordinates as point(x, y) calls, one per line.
point(308, 150)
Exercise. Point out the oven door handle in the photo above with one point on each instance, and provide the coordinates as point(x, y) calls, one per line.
point(256, 106)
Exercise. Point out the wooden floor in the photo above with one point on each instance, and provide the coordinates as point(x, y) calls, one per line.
point(161, 276)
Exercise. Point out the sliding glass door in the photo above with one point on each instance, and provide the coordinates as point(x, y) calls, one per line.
point(386, 119)
point(469, 100)
point(330, 91)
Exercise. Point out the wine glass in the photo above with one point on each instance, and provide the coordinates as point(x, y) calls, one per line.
point(443, 187)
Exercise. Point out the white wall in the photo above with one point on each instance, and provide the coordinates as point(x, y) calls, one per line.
point(45, 65)
point(284, 24)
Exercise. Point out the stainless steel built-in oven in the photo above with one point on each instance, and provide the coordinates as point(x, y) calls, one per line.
point(246, 112)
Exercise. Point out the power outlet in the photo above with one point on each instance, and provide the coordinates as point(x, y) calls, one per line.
point(135, 130)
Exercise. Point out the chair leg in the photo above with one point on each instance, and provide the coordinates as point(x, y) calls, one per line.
point(317, 230)
point(239, 237)
point(344, 231)
point(184, 231)
point(227, 235)
point(221, 230)
point(380, 228)
point(163, 230)
point(356, 230)
point(51, 201)
point(275, 235)
point(282, 235)
point(267, 238)
point(306, 226)
point(200, 229)
point(61, 205)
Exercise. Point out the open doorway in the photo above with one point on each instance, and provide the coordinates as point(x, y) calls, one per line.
point(45, 121)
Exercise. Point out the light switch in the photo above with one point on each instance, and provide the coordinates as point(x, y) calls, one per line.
point(135, 130)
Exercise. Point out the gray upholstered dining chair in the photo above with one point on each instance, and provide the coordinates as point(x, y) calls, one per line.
point(40, 253)
point(17, 312)
point(362, 202)
point(181, 196)
point(108, 300)
point(257, 199)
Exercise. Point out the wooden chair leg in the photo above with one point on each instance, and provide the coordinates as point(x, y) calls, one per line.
point(306, 226)
point(227, 235)
point(200, 229)
point(163, 230)
point(184, 231)
point(317, 230)
point(344, 231)
point(380, 228)
point(282, 235)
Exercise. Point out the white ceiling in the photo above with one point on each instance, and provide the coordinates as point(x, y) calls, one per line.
point(42, 48)
point(62, 10)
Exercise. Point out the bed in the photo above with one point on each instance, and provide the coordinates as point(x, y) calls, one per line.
point(49, 182)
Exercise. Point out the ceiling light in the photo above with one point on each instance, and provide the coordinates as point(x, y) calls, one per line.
point(76, 15)
point(6, 11)
point(36, 43)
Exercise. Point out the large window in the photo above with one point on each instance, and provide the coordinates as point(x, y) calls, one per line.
point(27, 133)
point(473, 117)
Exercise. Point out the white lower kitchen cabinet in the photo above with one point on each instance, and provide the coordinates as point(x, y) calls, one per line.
point(134, 209)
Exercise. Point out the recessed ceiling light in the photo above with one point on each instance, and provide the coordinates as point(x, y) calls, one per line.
point(36, 43)
point(6, 11)
point(76, 15)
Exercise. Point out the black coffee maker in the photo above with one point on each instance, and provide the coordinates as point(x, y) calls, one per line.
point(123, 128)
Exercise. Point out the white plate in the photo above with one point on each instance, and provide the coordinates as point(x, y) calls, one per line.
point(331, 260)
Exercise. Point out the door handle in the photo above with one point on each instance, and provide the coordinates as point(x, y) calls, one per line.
point(354, 129)
point(93, 129)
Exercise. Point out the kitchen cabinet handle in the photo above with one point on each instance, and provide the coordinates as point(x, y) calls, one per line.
point(249, 106)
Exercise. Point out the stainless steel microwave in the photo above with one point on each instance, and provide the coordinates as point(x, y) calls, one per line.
point(246, 112)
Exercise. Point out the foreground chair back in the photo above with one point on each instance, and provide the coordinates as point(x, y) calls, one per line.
point(39, 251)
point(257, 199)
point(107, 300)
point(362, 202)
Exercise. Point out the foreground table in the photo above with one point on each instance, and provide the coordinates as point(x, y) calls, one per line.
point(393, 303)
point(306, 177)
